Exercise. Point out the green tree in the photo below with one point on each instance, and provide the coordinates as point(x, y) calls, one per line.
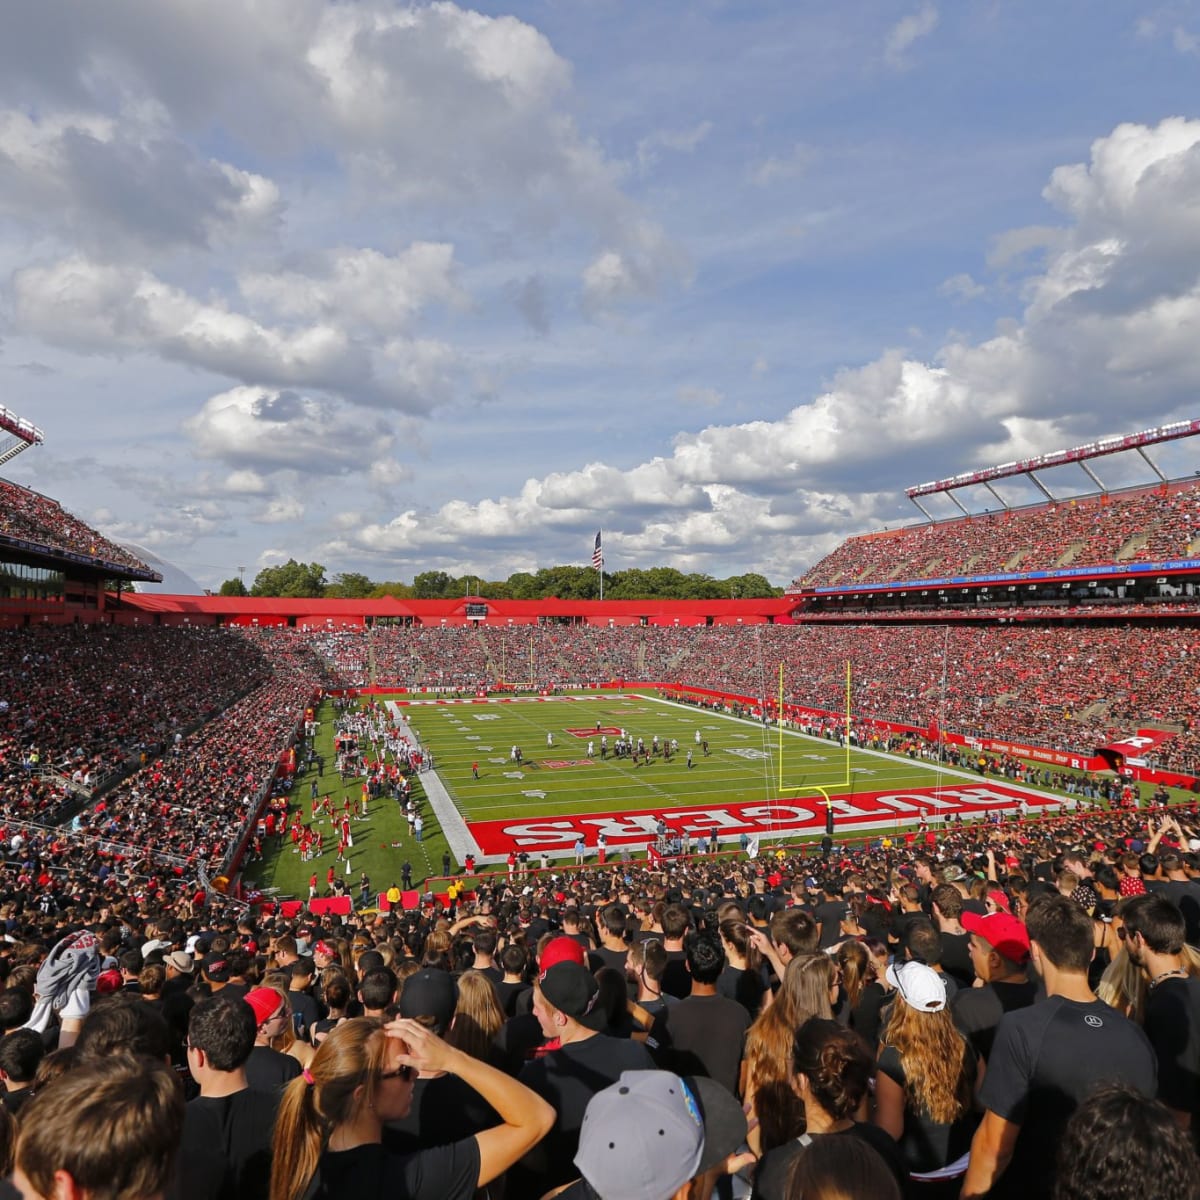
point(522, 586)
point(702, 587)
point(350, 585)
point(233, 587)
point(292, 579)
point(433, 585)
point(749, 587)
point(567, 583)
point(402, 591)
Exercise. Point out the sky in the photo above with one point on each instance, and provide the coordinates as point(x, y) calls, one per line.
point(398, 288)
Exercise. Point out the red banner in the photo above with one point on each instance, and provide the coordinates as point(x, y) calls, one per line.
point(1134, 748)
point(866, 810)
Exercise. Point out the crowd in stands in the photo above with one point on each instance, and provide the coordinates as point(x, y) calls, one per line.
point(1145, 526)
point(160, 741)
point(84, 700)
point(31, 517)
point(993, 1010)
point(1065, 688)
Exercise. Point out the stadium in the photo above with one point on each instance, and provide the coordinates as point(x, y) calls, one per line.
point(1043, 648)
point(976, 705)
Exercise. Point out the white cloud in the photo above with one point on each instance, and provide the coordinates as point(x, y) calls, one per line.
point(280, 510)
point(432, 105)
point(259, 431)
point(114, 184)
point(681, 141)
point(360, 288)
point(791, 165)
point(1185, 41)
point(907, 31)
point(961, 287)
point(99, 308)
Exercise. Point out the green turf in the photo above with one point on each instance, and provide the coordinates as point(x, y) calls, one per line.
point(283, 873)
point(743, 765)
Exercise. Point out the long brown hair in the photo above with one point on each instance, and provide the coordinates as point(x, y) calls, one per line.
point(477, 1016)
point(939, 1071)
point(857, 970)
point(349, 1058)
point(803, 994)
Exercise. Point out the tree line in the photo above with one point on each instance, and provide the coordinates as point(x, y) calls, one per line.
point(299, 579)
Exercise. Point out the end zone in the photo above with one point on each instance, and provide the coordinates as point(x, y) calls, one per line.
point(861, 811)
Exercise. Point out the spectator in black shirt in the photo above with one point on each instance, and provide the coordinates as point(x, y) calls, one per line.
point(228, 1120)
point(20, 1053)
point(1154, 931)
point(1047, 1058)
point(830, 914)
point(1000, 955)
point(947, 908)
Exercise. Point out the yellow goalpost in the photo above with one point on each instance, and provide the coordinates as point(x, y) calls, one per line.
point(784, 789)
point(532, 682)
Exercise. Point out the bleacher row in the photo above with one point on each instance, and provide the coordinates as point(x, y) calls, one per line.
point(1101, 530)
point(31, 517)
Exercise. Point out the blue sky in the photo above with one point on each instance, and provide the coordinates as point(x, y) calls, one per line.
point(398, 287)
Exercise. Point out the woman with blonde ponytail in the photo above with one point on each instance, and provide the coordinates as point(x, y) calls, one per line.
point(328, 1136)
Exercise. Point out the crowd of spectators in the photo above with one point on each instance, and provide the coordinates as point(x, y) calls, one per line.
point(82, 701)
point(161, 742)
point(599, 1033)
point(1146, 526)
point(31, 517)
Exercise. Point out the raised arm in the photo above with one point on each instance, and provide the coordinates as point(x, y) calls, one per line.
point(527, 1117)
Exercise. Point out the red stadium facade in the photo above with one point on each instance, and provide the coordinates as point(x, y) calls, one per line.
point(467, 610)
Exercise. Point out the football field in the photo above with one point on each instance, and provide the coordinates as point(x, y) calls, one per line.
point(754, 784)
point(744, 777)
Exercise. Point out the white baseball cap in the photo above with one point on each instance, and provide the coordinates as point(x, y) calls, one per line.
point(920, 987)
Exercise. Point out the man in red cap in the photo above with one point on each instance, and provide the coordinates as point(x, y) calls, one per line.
point(267, 1070)
point(999, 951)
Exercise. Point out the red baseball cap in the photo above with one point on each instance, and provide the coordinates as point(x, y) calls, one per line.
point(1003, 932)
point(561, 949)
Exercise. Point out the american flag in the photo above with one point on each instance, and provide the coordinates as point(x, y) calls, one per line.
point(598, 554)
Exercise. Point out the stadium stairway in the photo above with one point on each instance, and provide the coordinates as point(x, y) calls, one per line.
point(1131, 547)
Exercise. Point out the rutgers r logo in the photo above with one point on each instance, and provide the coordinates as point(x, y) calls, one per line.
point(1094, 1022)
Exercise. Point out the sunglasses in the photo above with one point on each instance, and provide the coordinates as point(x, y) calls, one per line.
point(405, 1073)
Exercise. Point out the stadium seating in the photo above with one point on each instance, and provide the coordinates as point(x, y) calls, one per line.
point(1101, 530)
point(1066, 688)
point(32, 517)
